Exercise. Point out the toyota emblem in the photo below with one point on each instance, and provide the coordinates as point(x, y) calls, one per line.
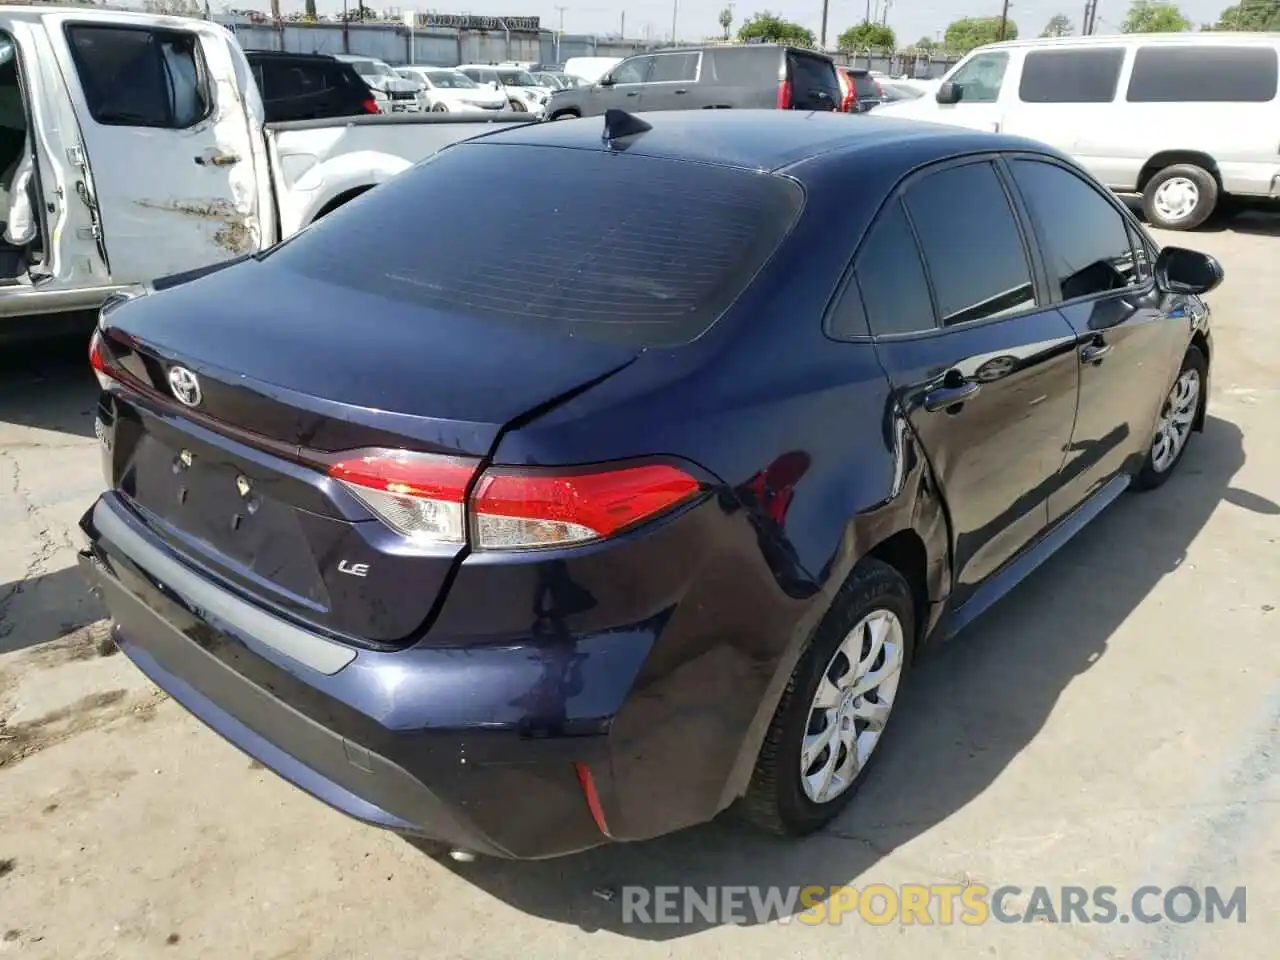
point(185, 386)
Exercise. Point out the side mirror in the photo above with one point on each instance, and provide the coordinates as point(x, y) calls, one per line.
point(607, 80)
point(1179, 270)
point(949, 93)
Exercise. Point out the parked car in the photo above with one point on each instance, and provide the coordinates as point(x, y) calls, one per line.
point(1187, 120)
point(117, 174)
point(661, 527)
point(859, 91)
point(520, 97)
point(445, 90)
point(694, 78)
point(309, 86)
point(551, 81)
point(395, 93)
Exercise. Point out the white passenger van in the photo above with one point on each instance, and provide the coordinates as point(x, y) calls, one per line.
point(1186, 120)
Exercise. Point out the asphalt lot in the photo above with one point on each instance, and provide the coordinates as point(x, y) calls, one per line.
point(1115, 722)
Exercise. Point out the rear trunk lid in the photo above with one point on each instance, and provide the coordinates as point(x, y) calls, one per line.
point(237, 483)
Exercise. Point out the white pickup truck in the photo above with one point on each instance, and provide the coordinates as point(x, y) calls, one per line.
point(133, 146)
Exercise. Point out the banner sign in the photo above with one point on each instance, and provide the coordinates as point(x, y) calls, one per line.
point(467, 21)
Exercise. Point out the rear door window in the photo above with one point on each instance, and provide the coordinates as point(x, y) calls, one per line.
point(972, 246)
point(628, 249)
point(674, 68)
point(1203, 73)
point(1071, 76)
point(137, 77)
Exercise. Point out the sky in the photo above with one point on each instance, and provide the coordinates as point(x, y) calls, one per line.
point(697, 19)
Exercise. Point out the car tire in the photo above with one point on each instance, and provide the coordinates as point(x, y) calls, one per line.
point(517, 106)
point(1179, 414)
point(1180, 197)
point(439, 107)
point(778, 799)
point(567, 115)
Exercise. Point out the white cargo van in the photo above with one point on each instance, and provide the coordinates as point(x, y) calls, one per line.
point(1186, 120)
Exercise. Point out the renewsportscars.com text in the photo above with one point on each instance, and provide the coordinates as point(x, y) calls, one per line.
point(932, 904)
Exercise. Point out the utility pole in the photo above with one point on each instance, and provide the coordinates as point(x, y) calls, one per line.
point(622, 26)
point(884, 16)
point(560, 32)
point(867, 18)
point(823, 41)
point(1004, 18)
point(675, 11)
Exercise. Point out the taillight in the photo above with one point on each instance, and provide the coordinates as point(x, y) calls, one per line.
point(416, 494)
point(784, 95)
point(370, 105)
point(879, 89)
point(424, 497)
point(100, 360)
point(516, 509)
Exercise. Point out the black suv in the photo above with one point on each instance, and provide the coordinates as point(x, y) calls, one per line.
point(309, 86)
point(695, 78)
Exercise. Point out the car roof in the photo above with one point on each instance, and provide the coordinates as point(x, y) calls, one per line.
point(766, 139)
point(1213, 37)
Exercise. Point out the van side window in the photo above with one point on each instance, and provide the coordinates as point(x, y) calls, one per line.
point(1071, 76)
point(1085, 239)
point(980, 78)
point(971, 243)
point(136, 77)
point(1200, 73)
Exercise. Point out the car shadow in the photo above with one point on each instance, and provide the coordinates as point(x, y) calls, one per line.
point(970, 708)
point(48, 385)
point(45, 609)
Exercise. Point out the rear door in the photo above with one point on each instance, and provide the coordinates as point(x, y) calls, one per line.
point(673, 82)
point(814, 85)
point(1130, 336)
point(168, 139)
point(984, 368)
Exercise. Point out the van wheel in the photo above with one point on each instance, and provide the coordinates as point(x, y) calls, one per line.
point(1180, 197)
point(830, 720)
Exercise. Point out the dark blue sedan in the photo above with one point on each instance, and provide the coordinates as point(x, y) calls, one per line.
point(591, 478)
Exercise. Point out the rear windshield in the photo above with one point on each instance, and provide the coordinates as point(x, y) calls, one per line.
point(609, 246)
point(865, 86)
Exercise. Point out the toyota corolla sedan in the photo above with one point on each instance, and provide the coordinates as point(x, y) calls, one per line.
point(631, 497)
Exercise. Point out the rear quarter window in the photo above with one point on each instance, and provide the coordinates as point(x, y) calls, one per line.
point(865, 86)
point(1201, 73)
point(744, 68)
point(613, 247)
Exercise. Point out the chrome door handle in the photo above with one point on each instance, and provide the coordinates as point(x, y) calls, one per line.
point(945, 397)
point(1094, 352)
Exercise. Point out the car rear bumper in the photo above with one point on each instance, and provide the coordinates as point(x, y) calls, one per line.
point(490, 789)
point(524, 749)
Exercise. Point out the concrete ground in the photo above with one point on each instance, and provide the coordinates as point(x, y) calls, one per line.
point(1115, 722)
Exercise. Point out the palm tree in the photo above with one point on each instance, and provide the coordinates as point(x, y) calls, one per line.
point(726, 20)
